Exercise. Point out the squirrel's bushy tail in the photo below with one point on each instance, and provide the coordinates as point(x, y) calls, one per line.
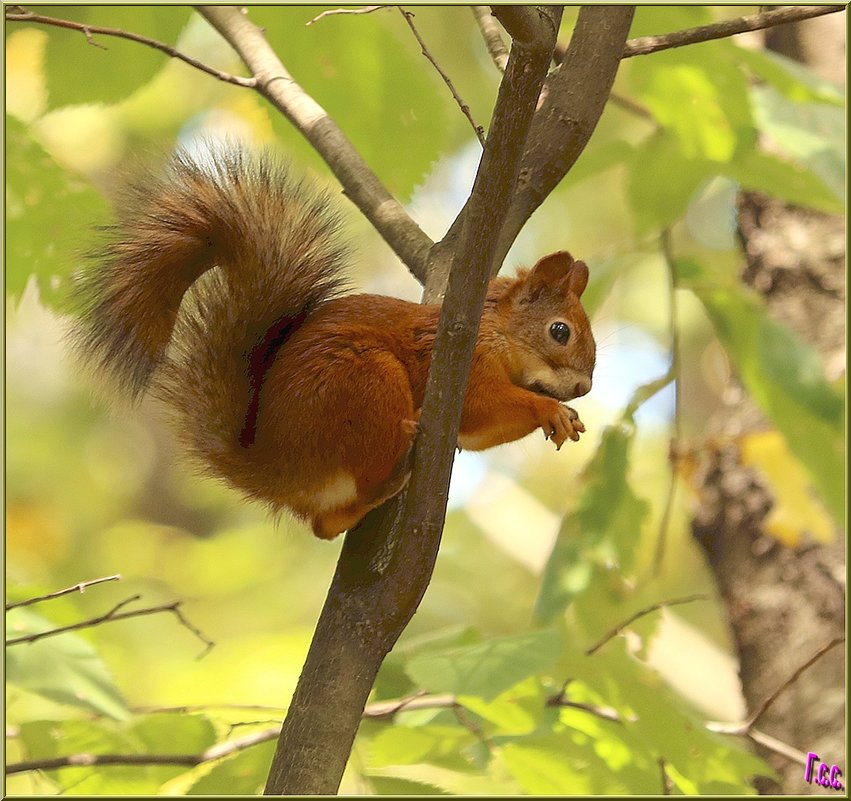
point(208, 269)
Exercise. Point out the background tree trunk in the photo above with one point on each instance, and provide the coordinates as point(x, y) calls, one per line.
point(785, 603)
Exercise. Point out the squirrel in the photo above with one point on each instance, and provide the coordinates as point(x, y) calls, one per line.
point(219, 289)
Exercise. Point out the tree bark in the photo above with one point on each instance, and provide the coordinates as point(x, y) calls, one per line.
point(386, 563)
point(784, 603)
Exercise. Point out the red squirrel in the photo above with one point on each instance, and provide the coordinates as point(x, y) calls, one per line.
point(219, 290)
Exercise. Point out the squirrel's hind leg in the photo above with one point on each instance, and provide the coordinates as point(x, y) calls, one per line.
point(377, 453)
point(330, 524)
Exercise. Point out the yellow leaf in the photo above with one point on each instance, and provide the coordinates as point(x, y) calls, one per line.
point(795, 510)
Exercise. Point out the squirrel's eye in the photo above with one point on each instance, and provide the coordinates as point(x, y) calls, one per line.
point(560, 332)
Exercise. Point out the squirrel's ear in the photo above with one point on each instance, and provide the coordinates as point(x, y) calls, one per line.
point(560, 267)
point(553, 268)
point(578, 278)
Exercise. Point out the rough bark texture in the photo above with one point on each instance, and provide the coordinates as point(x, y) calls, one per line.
point(784, 603)
point(387, 561)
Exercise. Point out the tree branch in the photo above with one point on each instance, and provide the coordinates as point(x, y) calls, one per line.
point(465, 109)
point(571, 103)
point(331, 12)
point(492, 36)
point(387, 562)
point(113, 615)
point(359, 182)
point(20, 14)
point(641, 613)
point(764, 706)
point(378, 710)
point(721, 30)
point(81, 588)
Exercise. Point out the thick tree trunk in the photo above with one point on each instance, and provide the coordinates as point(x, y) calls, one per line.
point(784, 603)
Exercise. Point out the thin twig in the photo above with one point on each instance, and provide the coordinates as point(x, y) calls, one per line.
point(81, 588)
point(114, 615)
point(88, 30)
point(480, 132)
point(489, 27)
point(641, 613)
point(84, 760)
point(764, 706)
point(331, 12)
point(632, 106)
point(721, 30)
point(667, 784)
point(676, 439)
point(777, 746)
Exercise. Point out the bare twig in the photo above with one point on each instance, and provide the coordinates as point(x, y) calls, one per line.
point(113, 615)
point(19, 14)
point(721, 30)
point(642, 613)
point(667, 784)
point(764, 706)
point(359, 182)
point(84, 760)
point(673, 450)
point(465, 109)
point(492, 36)
point(332, 12)
point(81, 588)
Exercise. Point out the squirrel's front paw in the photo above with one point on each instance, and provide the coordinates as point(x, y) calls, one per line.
point(562, 423)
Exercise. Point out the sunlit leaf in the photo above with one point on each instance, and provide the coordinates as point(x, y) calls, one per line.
point(243, 773)
point(108, 69)
point(46, 209)
point(488, 668)
point(784, 180)
point(661, 181)
point(789, 77)
point(794, 511)
point(369, 79)
point(813, 134)
point(450, 781)
point(64, 668)
point(604, 529)
point(783, 374)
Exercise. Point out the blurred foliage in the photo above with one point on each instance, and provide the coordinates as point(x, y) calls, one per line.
point(91, 493)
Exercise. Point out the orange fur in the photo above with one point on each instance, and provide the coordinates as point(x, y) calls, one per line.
point(218, 291)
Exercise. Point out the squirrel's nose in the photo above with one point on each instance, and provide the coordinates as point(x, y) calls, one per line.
point(582, 387)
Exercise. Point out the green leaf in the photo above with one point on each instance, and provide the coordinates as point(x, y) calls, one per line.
point(602, 531)
point(45, 208)
point(811, 133)
point(167, 733)
point(46, 739)
point(572, 763)
point(450, 781)
point(785, 180)
point(402, 745)
point(64, 668)
point(488, 668)
point(373, 83)
point(661, 181)
point(701, 97)
point(595, 160)
point(790, 78)
point(783, 374)
point(388, 785)
point(244, 773)
point(110, 68)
